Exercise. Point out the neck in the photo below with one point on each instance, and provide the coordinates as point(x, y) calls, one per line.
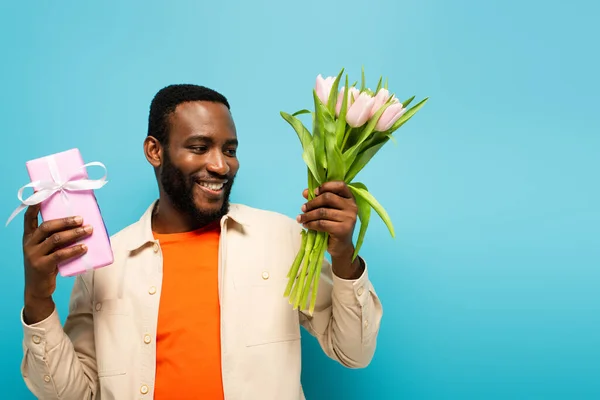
point(167, 219)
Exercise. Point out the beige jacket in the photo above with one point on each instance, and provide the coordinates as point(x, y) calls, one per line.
point(106, 348)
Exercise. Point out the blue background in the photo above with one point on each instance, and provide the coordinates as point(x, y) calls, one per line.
point(490, 288)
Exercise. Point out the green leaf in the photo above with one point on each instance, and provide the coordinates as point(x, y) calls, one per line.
point(392, 138)
point(405, 103)
point(408, 115)
point(300, 112)
point(363, 82)
point(310, 160)
point(366, 132)
point(379, 84)
point(364, 214)
point(312, 184)
point(340, 128)
point(318, 134)
point(376, 138)
point(326, 127)
point(362, 159)
point(386, 84)
point(335, 162)
point(303, 133)
point(368, 197)
point(308, 153)
point(332, 101)
point(325, 120)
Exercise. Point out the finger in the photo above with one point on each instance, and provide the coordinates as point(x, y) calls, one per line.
point(323, 225)
point(65, 238)
point(30, 220)
point(305, 193)
point(65, 254)
point(338, 187)
point(48, 228)
point(327, 200)
point(325, 214)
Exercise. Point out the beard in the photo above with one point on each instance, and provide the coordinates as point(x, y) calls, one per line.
point(180, 190)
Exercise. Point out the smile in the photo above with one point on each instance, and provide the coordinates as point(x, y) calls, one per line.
point(214, 187)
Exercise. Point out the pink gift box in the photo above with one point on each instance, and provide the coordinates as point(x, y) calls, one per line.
point(69, 165)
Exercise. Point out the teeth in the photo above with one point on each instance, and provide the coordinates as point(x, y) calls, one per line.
point(211, 186)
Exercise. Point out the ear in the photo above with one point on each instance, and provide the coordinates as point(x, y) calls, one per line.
point(153, 151)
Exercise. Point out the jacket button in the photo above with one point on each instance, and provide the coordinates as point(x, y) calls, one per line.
point(98, 306)
point(152, 290)
point(144, 389)
point(265, 275)
point(147, 339)
point(155, 247)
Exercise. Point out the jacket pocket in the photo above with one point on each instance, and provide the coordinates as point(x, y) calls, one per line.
point(113, 330)
point(266, 316)
point(270, 318)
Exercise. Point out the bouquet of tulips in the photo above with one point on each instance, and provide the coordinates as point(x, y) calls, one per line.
point(349, 126)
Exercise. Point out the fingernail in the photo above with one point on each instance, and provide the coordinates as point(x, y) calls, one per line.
point(83, 247)
point(303, 208)
point(78, 220)
point(88, 228)
point(317, 191)
point(299, 218)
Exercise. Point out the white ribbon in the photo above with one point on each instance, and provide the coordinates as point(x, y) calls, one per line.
point(46, 189)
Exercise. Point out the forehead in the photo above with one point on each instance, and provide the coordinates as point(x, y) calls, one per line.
point(201, 117)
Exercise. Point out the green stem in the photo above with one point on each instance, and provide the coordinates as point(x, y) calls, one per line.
point(296, 292)
point(314, 260)
point(292, 274)
point(346, 136)
point(313, 297)
point(300, 295)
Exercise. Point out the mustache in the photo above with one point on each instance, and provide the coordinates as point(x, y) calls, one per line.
point(226, 179)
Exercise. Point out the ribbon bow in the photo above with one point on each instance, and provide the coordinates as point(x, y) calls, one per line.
point(46, 189)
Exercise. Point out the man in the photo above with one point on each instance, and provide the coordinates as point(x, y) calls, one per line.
point(193, 305)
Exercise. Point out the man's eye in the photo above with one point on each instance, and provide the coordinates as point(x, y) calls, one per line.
point(231, 152)
point(199, 149)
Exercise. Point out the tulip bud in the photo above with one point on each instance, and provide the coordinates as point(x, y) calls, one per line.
point(383, 95)
point(354, 92)
point(360, 110)
point(390, 116)
point(323, 88)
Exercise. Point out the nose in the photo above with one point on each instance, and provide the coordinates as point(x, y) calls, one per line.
point(217, 164)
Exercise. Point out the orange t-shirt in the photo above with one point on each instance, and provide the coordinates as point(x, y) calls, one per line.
point(188, 342)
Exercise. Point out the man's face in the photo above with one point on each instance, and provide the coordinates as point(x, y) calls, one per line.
point(200, 163)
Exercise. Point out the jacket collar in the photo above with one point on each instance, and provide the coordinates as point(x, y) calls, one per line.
point(140, 232)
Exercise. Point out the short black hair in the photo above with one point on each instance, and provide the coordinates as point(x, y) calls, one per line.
point(168, 98)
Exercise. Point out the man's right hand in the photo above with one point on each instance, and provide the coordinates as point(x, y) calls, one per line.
point(44, 247)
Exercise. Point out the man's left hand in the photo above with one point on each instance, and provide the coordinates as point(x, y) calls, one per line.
point(333, 210)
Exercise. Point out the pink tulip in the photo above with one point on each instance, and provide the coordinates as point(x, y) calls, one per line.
point(383, 95)
point(390, 116)
point(354, 92)
point(323, 88)
point(359, 112)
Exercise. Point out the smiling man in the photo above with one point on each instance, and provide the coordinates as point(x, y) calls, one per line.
point(193, 305)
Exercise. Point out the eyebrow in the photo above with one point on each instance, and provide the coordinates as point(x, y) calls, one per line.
point(210, 139)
